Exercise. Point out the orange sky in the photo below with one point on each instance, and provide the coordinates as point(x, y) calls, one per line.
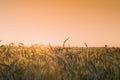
point(96, 22)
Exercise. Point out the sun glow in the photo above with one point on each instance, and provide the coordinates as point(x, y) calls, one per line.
point(51, 21)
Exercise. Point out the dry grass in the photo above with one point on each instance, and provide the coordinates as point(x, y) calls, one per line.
point(19, 62)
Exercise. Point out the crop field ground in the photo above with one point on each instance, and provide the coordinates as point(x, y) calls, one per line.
point(39, 62)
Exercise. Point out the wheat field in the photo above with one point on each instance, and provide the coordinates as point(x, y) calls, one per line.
point(40, 62)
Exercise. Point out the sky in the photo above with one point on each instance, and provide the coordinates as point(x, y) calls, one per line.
point(95, 22)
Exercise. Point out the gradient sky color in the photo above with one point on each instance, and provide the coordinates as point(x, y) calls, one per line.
point(96, 22)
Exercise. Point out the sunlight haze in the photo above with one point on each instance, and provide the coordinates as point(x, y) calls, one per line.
point(96, 22)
